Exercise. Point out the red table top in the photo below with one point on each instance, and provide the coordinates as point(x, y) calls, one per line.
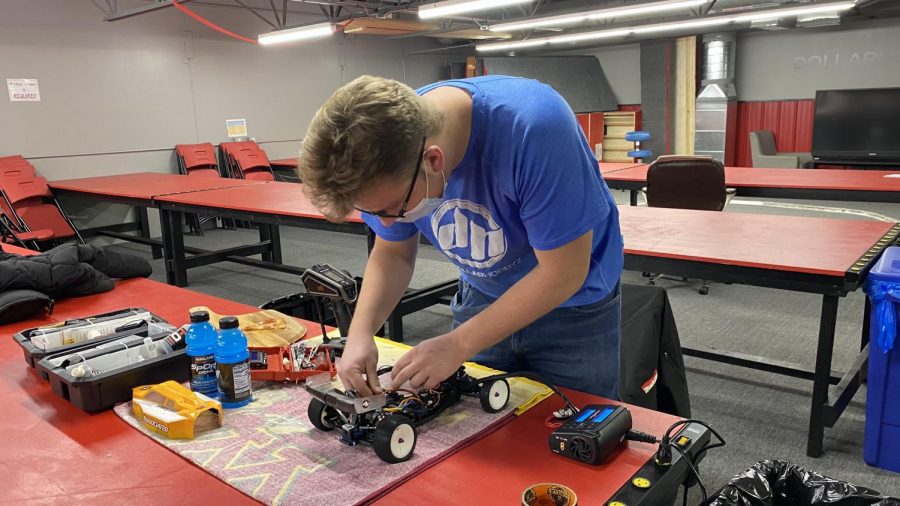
point(825, 246)
point(499, 467)
point(146, 185)
point(277, 198)
point(609, 167)
point(50, 450)
point(809, 179)
point(290, 162)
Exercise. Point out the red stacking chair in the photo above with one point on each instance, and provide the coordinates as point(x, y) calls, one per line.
point(10, 234)
point(35, 208)
point(11, 160)
point(15, 166)
point(228, 151)
point(245, 160)
point(254, 165)
point(9, 174)
point(197, 160)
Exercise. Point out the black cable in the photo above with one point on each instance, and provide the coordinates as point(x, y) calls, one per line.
point(666, 440)
point(693, 469)
point(320, 315)
point(643, 437)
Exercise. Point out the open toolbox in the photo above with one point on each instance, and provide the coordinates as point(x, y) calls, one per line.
point(98, 376)
point(74, 334)
point(295, 363)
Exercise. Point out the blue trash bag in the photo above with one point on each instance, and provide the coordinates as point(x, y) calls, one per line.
point(884, 294)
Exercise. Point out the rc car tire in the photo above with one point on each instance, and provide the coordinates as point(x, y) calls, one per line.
point(394, 439)
point(319, 414)
point(494, 396)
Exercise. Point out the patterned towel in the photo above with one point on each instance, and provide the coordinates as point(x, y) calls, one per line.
point(270, 451)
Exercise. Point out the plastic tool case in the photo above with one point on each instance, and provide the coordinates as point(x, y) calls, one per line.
point(98, 377)
point(135, 321)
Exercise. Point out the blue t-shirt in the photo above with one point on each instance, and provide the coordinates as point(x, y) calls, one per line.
point(528, 181)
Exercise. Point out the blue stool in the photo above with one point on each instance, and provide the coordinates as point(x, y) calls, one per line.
point(638, 137)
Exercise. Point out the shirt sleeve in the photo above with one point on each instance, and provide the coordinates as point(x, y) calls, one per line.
point(558, 181)
point(395, 232)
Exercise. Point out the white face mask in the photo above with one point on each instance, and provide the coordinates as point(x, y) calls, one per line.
point(426, 206)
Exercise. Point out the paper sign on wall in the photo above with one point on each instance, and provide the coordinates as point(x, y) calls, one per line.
point(236, 127)
point(23, 90)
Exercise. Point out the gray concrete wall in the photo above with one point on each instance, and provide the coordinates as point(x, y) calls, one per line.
point(116, 97)
point(794, 64)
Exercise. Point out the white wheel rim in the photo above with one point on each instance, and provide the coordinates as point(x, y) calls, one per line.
point(402, 440)
point(498, 394)
point(324, 418)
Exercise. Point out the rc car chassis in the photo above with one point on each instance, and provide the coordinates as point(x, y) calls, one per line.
point(387, 422)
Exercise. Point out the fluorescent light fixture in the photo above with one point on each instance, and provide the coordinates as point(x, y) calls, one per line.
point(454, 7)
point(296, 34)
point(581, 37)
point(673, 26)
point(682, 25)
point(570, 19)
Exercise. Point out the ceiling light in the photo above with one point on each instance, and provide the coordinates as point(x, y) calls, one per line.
point(673, 26)
point(454, 7)
point(296, 34)
point(682, 25)
point(568, 19)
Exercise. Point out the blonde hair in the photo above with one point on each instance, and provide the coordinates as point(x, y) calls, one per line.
point(369, 129)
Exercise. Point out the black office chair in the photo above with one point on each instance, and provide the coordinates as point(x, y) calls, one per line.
point(687, 182)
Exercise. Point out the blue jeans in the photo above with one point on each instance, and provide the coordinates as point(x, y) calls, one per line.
point(574, 347)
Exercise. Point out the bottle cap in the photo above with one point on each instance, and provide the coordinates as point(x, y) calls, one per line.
point(199, 316)
point(228, 322)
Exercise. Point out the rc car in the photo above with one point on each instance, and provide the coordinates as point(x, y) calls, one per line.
point(388, 422)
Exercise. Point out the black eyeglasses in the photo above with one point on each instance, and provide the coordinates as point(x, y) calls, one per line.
point(402, 213)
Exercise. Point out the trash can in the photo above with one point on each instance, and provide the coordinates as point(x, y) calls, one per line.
point(883, 400)
point(775, 483)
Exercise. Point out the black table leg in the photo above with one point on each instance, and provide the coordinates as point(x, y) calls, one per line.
point(395, 326)
point(144, 222)
point(264, 236)
point(817, 422)
point(173, 240)
point(275, 238)
point(271, 234)
point(633, 198)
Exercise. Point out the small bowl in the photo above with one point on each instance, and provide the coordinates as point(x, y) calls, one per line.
point(549, 494)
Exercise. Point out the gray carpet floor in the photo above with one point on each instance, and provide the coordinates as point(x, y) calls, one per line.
point(761, 415)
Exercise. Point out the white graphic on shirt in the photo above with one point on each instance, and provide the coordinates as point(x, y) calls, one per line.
point(468, 233)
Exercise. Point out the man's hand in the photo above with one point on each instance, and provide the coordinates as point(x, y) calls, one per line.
point(429, 363)
point(358, 365)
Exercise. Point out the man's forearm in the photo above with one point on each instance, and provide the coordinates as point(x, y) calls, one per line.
point(386, 278)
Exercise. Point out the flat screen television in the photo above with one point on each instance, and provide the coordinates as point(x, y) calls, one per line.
point(861, 126)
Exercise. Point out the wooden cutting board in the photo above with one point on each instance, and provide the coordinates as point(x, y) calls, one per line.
point(264, 328)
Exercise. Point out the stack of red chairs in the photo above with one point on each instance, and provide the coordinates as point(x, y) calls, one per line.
point(30, 212)
point(197, 160)
point(246, 160)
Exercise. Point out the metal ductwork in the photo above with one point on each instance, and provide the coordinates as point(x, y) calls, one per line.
point(717, 102)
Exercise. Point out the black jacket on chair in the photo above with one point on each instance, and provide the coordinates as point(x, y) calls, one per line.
point(651, 367)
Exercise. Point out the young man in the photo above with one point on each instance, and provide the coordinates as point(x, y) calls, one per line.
point(497, 174)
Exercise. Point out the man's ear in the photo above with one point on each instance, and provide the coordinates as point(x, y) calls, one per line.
point(434, 155)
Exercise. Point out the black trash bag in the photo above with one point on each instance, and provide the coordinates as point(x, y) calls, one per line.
point(779, 483)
